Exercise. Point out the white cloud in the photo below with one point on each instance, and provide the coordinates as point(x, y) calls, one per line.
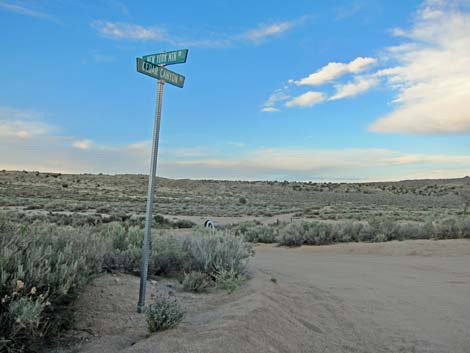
point(432, 75)
point(332, 164)
point(351, 89)
point(121, 30)
point(334, 70)
point(82, 144)
point(21, 123)
point(278, 95)
point(265, 31)
point(124, 30)
point(307, 99)
point(47, 152)
point(140, 146)
point(270, 110)
point(26, 11)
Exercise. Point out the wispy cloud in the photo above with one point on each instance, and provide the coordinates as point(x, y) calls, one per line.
point(121, 30)
point(27, 11)
point(48, 153)
point(307, 99)
point(334, 70)
point(433, 74)
point(278, 95)
point(131, 31)
point(22, 123)
point(265, 31)
point(358, 86)
point(41, 149)
point(325, 164)
point(82, 144)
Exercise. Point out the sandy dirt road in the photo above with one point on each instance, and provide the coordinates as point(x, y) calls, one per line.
point(412, 296)
point(401, 303)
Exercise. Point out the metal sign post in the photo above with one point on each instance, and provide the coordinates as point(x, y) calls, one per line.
point(151, 189)
point(163, 75)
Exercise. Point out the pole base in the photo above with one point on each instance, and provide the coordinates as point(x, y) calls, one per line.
point(140, 309)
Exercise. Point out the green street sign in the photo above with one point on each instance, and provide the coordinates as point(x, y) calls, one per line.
point(160, 73)
point(167, 58)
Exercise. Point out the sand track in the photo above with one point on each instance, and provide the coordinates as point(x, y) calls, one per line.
point(412, 296)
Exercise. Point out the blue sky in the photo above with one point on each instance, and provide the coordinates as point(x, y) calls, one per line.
point(299, 90)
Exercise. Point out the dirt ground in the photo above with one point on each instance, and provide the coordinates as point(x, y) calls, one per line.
point(411, 296)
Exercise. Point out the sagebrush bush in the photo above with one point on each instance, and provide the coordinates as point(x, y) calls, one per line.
point(218, 252)
point(374, 230)
point(228, 280)
point(42, 268)
point(196, 282)
point(260, 234)
point(124, 252)
point(164, 313)
point(168, 255)
point(291, 235)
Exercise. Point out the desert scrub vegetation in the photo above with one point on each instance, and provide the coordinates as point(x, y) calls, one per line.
point(43, 268)
point(176, 254)
point(164, 313)
point(378, 229)
point(228, 280)
point(112, 198)
point(196, 282)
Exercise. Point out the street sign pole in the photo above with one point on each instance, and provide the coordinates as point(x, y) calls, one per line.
point(153, 65)
point(151, 191)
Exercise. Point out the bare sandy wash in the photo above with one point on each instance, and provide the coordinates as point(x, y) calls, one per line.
point(411, 296)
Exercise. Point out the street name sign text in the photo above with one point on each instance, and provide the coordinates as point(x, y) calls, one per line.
point(167, 58)
point(160, 73)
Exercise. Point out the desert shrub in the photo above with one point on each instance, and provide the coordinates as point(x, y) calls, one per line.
point(124, 252)
point(291, 235)
point(184, 223)
point(374, 230)
point(219, 252)
point(452, 227)
point(196, 282)
point(240, 229)
point(380, 238)
point(366, 233)
point(228, 280)
point(173, 254)
point(167, 255)
point(317, 233)
point(42, 269)
point(349, 231)
point(44, 266)
point(260, 234)
point(164, 313)
point(161, 221)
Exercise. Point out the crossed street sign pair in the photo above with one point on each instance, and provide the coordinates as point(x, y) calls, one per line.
point(153, 66)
